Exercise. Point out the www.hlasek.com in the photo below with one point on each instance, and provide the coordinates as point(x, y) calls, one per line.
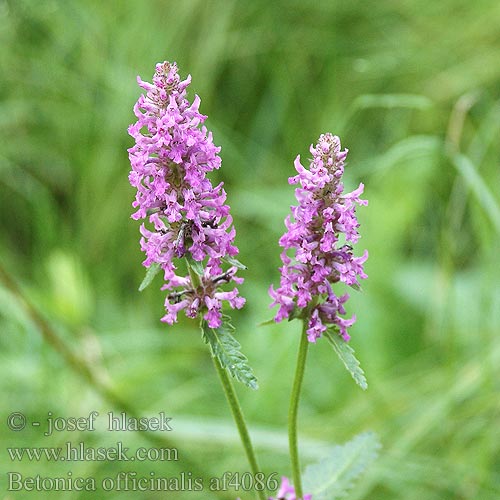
point(79, 452)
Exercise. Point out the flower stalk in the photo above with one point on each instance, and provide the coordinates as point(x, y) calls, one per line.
point(239, 419)
point(293, 411)
point(317, 254)
point(187, 218)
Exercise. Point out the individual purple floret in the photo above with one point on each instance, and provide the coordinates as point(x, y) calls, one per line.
point(187, 216)
point(324, 225)
point(287, 492)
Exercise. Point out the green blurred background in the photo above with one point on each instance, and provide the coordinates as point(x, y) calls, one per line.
point(413, 89)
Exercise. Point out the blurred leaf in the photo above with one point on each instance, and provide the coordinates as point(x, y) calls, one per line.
point(226, 349)
point(346, 354)
point(334, 475)
point(152, 271)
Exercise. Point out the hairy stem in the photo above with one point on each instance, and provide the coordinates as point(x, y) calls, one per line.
point(292, 413)
point(239, 418)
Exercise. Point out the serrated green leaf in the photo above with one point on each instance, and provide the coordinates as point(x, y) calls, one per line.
point(152, 271)
point(346, 354)
point(333, 476)
point(226, 349)
point(196, 265)
point(234, 262)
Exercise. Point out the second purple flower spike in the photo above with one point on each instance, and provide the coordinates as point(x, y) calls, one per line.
point(317, 251)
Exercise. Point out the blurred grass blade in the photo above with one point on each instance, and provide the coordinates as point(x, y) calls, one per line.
point(334, 475)
point(409, 148)
point(391, 101)
point(486, 136)
point(476, 183)
point(346, 354)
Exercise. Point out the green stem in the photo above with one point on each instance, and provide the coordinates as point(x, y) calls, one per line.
point(234, 404)
point(292, 413)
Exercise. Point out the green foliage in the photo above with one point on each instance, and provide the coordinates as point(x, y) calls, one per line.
point(479, 188)
point(271, 77)
point(151, 272)
point(226, 349)
point(333, 476)
point(195, 265)
point(234, 262)
point(346, 354)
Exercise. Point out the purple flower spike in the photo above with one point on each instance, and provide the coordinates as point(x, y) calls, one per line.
point(187, 216)
point(320, 232)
